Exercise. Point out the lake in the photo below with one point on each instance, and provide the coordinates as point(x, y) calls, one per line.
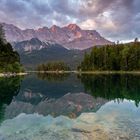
point(70, 107)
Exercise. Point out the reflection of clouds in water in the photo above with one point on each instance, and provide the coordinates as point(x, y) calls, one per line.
point(113, 121)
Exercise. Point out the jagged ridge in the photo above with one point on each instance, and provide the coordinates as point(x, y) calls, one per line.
point(71, 36)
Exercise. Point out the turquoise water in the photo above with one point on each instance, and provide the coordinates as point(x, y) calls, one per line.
point(70, 107)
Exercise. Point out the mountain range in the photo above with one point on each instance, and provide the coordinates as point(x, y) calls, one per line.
point(70, 36)
point(68, 44)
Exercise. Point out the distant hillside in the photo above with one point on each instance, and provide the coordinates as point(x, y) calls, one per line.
point(71, 36)
point(53, 52)
point(30, 45)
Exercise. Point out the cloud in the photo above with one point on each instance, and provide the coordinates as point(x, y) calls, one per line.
point(114, 19)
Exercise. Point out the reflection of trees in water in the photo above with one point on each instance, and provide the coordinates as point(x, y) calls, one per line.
point(53, 76)
point(113, 87)
point(9, 87)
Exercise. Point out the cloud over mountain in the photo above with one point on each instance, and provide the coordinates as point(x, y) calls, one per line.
point(115, 19)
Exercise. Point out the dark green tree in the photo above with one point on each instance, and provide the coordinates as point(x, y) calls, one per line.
point(53, 66)
point(124, 57)
point(9, 59)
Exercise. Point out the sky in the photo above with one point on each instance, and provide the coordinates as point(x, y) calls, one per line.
point(113, 19)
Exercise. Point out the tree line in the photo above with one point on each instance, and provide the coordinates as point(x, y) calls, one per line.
point(125, 57)
point(9, 59)
point(53, 66)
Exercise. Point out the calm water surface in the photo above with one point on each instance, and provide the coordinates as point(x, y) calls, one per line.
point(70, 107)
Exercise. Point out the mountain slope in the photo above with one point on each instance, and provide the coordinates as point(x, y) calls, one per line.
point(71, 36)
point(52, 53)
point(30, 45)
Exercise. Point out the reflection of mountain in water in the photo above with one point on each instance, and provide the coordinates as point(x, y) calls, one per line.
point(71, 105)
point(53, 94)
point(113, 87)
point(34, 89)
point(67, 96)
point(9, 87)
point(57, 98)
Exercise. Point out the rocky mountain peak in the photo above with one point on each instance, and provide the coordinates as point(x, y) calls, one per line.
point(42, 29)
point(54, 28)
point(73, 27)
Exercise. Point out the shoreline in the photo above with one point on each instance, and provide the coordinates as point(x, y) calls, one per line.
point(13, 74)
point(109, 72)
point(69, 72)
point(86, 72)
